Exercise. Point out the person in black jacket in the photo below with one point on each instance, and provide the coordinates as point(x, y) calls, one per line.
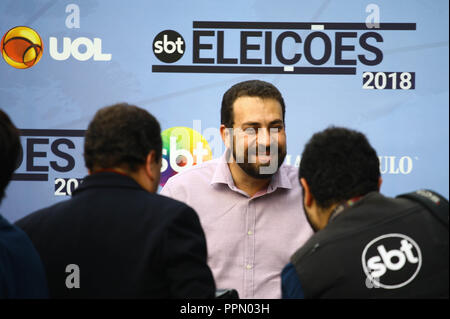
point(116, 238)
point(366, 245)
point(22, 274)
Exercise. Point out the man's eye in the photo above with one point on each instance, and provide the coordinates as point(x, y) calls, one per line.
point(278, 128)
point(250, 131)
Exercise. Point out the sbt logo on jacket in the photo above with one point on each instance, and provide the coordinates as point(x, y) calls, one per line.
point(391, 261)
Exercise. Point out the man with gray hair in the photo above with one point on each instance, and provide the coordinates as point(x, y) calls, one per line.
point(116, 238)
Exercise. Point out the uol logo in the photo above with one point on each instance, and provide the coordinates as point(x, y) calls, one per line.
point(391, 261)
point(81, 49)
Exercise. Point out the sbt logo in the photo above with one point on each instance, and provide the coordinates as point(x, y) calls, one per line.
point(183, 147)
point(81, 49)
point(391, 261)
point(168, 46)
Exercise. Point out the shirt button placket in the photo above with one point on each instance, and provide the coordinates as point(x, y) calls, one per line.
point(250, 258)
point(246, 264)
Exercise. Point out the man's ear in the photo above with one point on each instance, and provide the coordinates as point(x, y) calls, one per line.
point(225, 134)
point(380, 181)
point(308, 196)
point(150, 160)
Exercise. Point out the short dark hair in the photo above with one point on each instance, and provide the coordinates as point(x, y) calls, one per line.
point(254, 88)
point(338, 164)
point(121, 134)
point(10, 149)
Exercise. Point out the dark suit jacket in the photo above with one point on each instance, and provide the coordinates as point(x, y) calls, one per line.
point(21, 271)
point(127, 243)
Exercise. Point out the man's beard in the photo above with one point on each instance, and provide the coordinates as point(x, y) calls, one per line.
point(254, 169)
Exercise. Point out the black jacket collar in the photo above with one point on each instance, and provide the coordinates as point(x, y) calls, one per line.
point(107, 179)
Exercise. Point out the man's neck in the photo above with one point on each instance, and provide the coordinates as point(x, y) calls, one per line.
point(247, 183)
point(139, 175)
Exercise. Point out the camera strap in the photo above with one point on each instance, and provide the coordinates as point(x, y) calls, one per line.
point(432, 201)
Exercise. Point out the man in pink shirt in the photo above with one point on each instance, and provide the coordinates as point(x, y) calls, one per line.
point(249, 203)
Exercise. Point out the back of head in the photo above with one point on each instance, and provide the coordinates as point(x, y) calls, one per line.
point(339, 164)
point(9, 151)
point(252, 88)
point(121, 135)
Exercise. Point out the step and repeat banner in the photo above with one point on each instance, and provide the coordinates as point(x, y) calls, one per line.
point(380, 67)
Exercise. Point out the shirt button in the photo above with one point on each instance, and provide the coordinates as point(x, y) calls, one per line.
point(249, 266)
point(250, 232)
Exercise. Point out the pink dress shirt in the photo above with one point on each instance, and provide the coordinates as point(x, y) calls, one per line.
point(249, 239)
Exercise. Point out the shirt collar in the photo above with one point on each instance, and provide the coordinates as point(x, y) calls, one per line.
point(222, 175)
point(280, 179)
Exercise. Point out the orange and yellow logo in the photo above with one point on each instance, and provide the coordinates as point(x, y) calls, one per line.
point(21, 47)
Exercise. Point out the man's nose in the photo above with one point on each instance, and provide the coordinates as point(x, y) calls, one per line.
point(264, 137)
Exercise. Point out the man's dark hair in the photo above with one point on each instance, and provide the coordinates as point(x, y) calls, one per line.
point(339, 164)
point(121, 134)
point(10, 148)
point(253, 88)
